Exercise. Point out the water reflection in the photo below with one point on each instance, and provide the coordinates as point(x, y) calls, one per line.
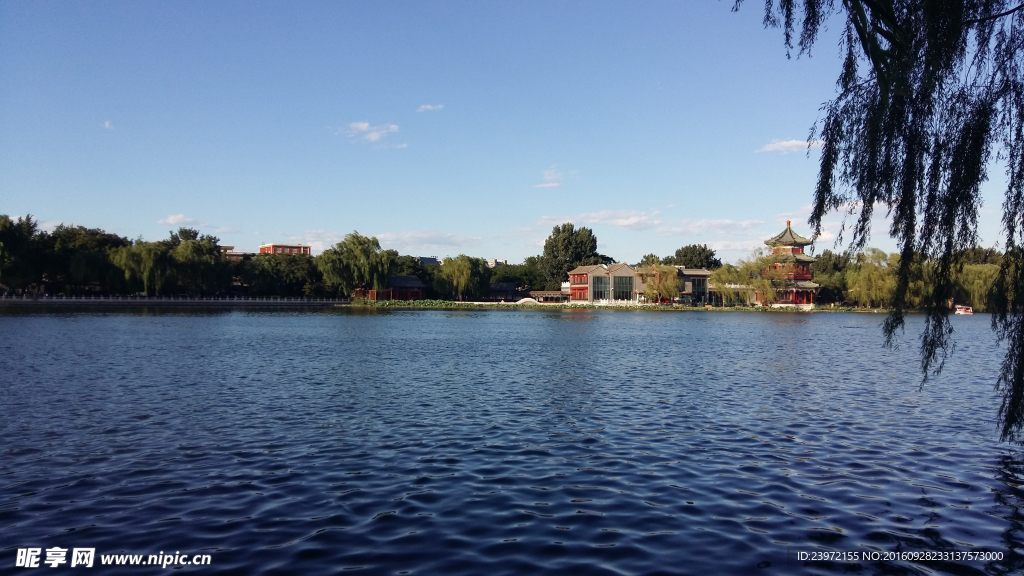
point(499, 442)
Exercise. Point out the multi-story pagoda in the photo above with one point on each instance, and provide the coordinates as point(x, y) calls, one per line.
point(792, 269)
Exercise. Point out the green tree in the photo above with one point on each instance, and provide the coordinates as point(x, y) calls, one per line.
point(979, 255)
point(930, 92)
point(291, 275)
point(830, 273)
point(871, 278)
point(21, 260)
point(661, 282)
point(974, 285)
point(199, 267)
point(357, 262)
point(694, 256)
point(79, 258)
point(527, 275)
point(145, 263)
point(464, 277)
point(759, 275)
point(566, 248)
point(650, 260)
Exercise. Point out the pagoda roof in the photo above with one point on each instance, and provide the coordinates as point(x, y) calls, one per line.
point(787, 238)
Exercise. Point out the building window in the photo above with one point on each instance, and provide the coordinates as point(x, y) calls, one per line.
point(623, 288)
point(601, 288)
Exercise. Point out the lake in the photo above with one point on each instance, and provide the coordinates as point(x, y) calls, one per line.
point(501, 442)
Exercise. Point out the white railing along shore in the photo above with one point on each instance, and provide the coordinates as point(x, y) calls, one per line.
point(156, 299)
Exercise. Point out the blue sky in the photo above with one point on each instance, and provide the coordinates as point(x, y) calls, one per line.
point(440, 127)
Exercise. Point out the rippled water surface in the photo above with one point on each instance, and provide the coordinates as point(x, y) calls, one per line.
point(500, 442)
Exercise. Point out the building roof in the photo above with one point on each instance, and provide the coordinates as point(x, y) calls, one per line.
point(787, 238)
point(405, 282)
point(802, 284)
point(700, 272)
point(602, 268)
point(586, 269)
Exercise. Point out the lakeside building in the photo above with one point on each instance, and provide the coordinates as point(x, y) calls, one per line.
point(603, 283)
point(284, 249)
point(428, 260)
point(693, 284)
point(793, 267)
point(504, 291)
point(549, 296)
point(399, 288)
point(623, 284)
point(495, 262)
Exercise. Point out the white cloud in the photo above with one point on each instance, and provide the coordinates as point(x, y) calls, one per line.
point(178, 220)
point(108, 125)
point(410, 241)
point(430, 107)
point(416, 242)
point(370, 133)
point(181, 220)
point(744, 246)
point(628, 219)
point(692, 227)
point(318, 239)
point(552, 179)
point(787, 146)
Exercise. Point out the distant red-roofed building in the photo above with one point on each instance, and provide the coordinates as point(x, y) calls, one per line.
point(284, 249)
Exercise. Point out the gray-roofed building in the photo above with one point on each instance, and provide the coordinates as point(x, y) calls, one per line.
point(400, 288)
point(504, 291)
point(603, 283)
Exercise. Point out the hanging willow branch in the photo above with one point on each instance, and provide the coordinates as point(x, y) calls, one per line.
point(929, 94)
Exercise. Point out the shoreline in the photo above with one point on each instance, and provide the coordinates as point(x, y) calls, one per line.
point(159, 302)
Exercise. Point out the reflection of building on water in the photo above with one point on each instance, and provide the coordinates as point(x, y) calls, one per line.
point(793, 268)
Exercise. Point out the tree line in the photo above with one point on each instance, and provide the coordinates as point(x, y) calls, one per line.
point(75, 260)
point(867, 278)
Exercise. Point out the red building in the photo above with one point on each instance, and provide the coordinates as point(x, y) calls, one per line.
point(284, 249)
point(792, 268)
point(230, 254)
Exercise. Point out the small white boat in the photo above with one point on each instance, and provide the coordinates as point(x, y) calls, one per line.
point(963, 310)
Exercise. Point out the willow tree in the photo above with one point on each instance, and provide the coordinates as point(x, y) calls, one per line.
point(661, 282)
point(357, 262)
point(148, 263)
point(464, 276)
point(930, 93)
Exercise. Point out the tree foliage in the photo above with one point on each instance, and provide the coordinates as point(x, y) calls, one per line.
point(21, 262)
point(79, 260)
point(661, 282)
point(567, 248)
point(830, 274)
point(527, 276)
point(694, 256)
point(649, 260)
point(930, 93)
point(288, 275)
point(355, 262)
point(463, 277)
